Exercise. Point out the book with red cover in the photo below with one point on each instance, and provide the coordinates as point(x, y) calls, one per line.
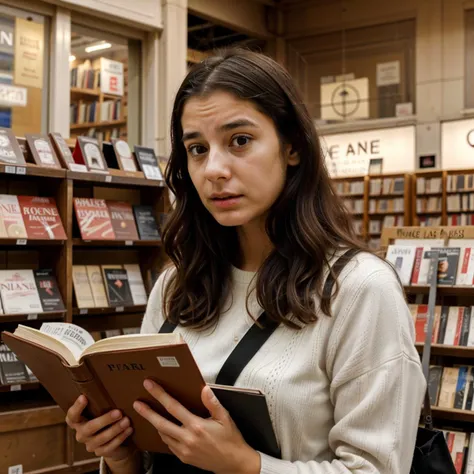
point(87, 152)
point(94, 219)
point(41, 218)
point(123, 220)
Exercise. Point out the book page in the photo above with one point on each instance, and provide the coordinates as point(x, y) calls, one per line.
point(76, 339)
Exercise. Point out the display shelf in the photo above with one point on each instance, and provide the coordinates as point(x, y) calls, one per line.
point(43, 316)
point(451, 351)
point(31, 170)
point(20, 243)
point(19, 387)
point(442, 290)
point(111, 123)
point(452, 414)
point(114, 179)
point(79, 312)
point(115, 243)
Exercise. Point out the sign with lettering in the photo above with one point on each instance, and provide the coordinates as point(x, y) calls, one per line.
point(349, 154)
point(457, 144)
point(13, 96)
point(6, 36)
point(111, 76)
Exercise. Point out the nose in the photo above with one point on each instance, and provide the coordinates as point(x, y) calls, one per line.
point(217, 166)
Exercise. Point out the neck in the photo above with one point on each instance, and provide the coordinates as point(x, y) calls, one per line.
point(255, 246)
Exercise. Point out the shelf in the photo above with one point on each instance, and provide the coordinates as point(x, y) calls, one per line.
point(429, 212)
point(20, 387)
point(460, 191)
point(385, 213)
point(47, 315)
point(108, 310)
point(115, 243)
point(85, 92)
point(441, 290)
point(453, 414)
point(114, 179)
point(387, 195)
point(32, 170)
point(352, 196)
point(30, 242)
point(445, 350)
point(113, 123)
point(422, 195)
point(110, 321)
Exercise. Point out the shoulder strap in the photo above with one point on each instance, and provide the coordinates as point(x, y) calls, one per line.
point(259, 332)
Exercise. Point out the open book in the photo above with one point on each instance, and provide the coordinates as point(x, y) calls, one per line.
point(110, 373)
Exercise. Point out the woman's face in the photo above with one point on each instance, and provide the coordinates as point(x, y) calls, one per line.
point(235, 159)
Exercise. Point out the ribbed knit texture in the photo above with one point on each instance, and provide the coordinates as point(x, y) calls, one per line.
point(344, 394)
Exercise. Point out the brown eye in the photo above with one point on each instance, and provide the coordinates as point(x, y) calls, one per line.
point(196, 150)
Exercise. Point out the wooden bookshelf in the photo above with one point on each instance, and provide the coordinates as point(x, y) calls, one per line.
point(28, 416)
point(428, 187)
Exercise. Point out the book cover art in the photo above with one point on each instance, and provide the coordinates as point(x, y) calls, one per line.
point(124, 155)
point(123, 220)
point(41, 218)
point(453, 327)
point(402, 258)
point(12, 371)
point(48, 290)
point(137, 286)
point(96, 281)
point(88, 152)
point(64, 153)
point(12, 225)
point(42, 151)
point(94, 219)
point(146, 222)
point(448, 387)
point(19, 292)
point(465, 272)
point(434, 383)
point(10, 152)
point(421, 267)
point(82, 287)
point(118, 287)
point(148, 162)
point(447, 264)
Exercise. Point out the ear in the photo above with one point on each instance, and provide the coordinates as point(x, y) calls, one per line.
point(292, 157)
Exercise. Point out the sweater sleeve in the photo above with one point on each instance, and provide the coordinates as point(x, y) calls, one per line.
point(376, 382)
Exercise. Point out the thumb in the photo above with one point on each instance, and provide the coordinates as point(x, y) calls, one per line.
point(216, 410)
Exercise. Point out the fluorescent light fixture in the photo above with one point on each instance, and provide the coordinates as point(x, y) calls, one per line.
point(72, 58)
point(98, 47)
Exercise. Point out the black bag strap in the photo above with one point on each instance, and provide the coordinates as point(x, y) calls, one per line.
point(260, 331)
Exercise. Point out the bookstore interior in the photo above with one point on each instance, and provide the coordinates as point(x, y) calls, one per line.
point(82, 210)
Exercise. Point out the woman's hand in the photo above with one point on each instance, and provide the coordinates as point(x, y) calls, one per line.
point(213, 444)
point(103, 435)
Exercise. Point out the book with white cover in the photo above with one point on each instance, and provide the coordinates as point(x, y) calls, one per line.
point(402, 258)
point(136, 284)
point(82, 287)
point(452, 326)
point(465, 273)
point(470, 457)
point(19, 292)
point(420, 242)
point(94, 273)
point(421, 267)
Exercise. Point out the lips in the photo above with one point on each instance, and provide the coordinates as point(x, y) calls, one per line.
point(225, 197)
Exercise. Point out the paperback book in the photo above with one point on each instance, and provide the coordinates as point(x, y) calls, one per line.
point(146, 222)
point(123, 220)
point(19, 292)
point(402, 258)
point(94, 219)
point(48, 290)
point(117, 286)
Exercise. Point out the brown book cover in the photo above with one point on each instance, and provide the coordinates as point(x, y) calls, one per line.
point(42, 151)
point(64, 153)
point(123, 220)
point(110, 372)
point(41, 218)
point(94, 219)
point(88, 152)
point(10, 152)
point(124, 155)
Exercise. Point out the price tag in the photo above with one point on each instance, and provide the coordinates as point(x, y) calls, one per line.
point(87, 241)
point(108, 179)
point(21, 170)
point(10, 169)
point(15, 388)
point(21, 241)
point(129, 242)
point(119, 309)
point(83, 311)
point(32, 316)
point(18, 469)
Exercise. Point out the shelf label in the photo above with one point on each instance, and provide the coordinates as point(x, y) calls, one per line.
point(128, 242)
point(15, 388)
point(108, 179)
point(87, 241)
point(20, 170)
point(32, 316)
point(83, 311)
point(119, 309)
point(10, 169)
point(18, 469)
point(21, 241)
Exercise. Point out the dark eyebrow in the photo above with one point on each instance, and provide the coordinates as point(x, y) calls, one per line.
point(223, 128)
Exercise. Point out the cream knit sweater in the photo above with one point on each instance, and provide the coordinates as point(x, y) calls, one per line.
point(344, 394)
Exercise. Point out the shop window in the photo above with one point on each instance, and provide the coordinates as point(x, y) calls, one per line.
point(470, 59)
point(357, 74)
point(105, 80)
point(23, 71)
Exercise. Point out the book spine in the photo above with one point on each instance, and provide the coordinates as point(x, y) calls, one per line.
point(442, 325)
point(466, 324)
point(457, 338)
point(460, 388)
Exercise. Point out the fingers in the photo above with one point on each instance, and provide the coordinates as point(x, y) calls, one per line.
point(110, 447)
point(119, 429)
point(163, 425)
point(97, 424)
point(74, 414)
point(172, 406)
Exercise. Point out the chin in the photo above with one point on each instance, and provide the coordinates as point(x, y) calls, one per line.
point(231, 219)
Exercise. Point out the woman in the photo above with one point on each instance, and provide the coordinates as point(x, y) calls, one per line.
point(256, 226)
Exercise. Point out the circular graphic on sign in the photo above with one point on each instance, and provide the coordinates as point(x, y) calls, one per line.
point(123, 149)
point(345, 100)
point(470, 138)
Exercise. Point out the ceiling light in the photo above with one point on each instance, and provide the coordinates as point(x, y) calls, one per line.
point(98, 47)
point(72, 58)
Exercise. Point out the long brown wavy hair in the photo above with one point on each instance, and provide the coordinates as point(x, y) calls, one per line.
point(306, 224)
